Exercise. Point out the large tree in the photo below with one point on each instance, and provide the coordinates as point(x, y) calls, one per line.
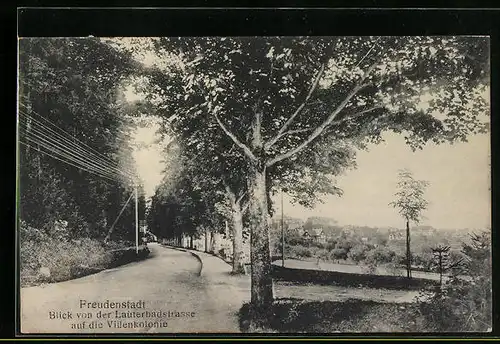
point(279, 100)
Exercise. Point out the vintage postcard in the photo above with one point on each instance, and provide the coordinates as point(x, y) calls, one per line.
point(332, 184)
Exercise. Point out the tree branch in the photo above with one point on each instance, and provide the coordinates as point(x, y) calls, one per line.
point(244, 207)
point(241, 197)
point(301, 106)
point(320, 129)
point(232, 195)
point(289, 132)
point(356, 115)
point(240, 144)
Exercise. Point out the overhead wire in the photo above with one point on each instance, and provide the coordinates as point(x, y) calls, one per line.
point(69, 163)
point(41, 133)
point(71, 138)
point(71, 143)
point(79, 157)
point(79, 162)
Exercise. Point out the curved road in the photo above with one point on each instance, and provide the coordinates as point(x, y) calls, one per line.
point(174, 297)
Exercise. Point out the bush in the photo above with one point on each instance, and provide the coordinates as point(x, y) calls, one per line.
point(380, 255)
point(331, 244)
point(46, 258)
point(316, 244)
point(296, 239)
point(399, 259)
point(338, 253)
point(304, 252)
point(300, 252)
point(344, 243)
point(323, 254)
point(357, 253)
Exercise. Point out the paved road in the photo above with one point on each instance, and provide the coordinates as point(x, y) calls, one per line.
point(169, 281)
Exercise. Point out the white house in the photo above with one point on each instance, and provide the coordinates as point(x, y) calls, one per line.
point(316, 234)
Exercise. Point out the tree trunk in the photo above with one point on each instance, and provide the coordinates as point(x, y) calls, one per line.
point(237, 230)
point(440, 269)
point(206, 240)
point(408, 252)
point(237, 218)
point(212, 242)
point(260, 255)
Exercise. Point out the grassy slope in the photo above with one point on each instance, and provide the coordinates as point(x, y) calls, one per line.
point(51, 260)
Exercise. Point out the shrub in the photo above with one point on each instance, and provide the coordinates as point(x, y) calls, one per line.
point(299, 251)
point(380, 255)
point(50, 258)
point(345, 243)
point(399, 259)
point(357, 253)
point(59, 258)
point(338, 253)
point(304, 252)
point(323, 254)
point(331, 244)
point(296, 239)
point(317, 244)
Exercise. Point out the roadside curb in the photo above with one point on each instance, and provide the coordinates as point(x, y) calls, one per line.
point(216, 256)
point(192, 253)
point(199, 259)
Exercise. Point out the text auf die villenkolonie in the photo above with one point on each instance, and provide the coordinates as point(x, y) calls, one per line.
point(123, 314)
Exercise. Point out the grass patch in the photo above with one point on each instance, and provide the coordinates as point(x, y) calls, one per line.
point(300, 316)
point(323, 277)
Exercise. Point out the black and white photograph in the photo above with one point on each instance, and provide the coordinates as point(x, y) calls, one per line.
point(254, 184)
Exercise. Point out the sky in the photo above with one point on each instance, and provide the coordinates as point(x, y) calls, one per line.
point(148, 158)
point(459, 190)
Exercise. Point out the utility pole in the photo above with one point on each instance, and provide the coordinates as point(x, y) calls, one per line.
point(136, 222)
point(282, 233)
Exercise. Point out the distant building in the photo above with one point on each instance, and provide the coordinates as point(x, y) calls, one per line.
point(316, 234)
point(396, 235)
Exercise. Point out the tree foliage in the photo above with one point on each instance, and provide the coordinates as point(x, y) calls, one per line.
point(410, 201)
point(74, 84)
point(282, 102)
